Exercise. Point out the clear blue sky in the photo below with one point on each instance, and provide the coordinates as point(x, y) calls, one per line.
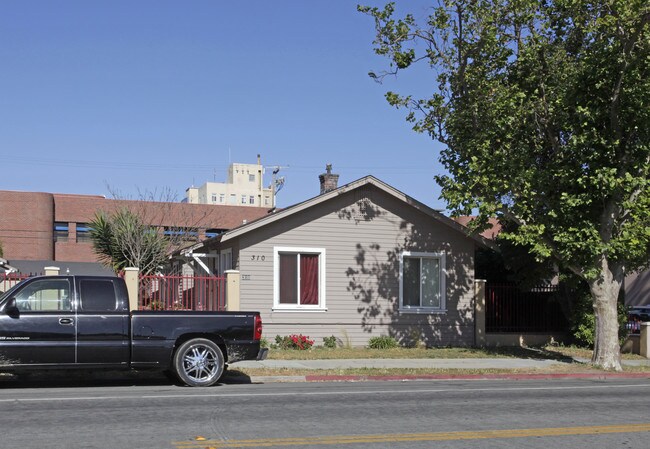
point(147, 95)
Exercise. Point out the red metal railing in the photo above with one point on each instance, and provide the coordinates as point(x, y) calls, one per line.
point(182, 293)
point(8, 280)
point(509, 309)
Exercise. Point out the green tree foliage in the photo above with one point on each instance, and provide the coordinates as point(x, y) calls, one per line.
point(1, 250)
point(508, 262)
point(122, 239)
point(543, 110)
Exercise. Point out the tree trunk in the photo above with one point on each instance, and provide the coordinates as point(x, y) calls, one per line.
point(604, 292)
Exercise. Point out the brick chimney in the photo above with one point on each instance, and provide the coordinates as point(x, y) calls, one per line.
point(328, 181)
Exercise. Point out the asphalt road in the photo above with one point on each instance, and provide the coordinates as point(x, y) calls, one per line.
point(424, 414)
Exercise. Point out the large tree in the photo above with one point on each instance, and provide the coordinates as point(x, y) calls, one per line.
point(542, 107)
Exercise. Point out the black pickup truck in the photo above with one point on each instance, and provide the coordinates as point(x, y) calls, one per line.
point(61, 322)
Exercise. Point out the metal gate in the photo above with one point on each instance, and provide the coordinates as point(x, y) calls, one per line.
point(509, 309)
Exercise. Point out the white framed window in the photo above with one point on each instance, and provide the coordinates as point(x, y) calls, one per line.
point(243, 199)
point(251, 178)
point(422, 282)
point(214, 197)
point(251, 199)
point(299, 279)
point(222, 197)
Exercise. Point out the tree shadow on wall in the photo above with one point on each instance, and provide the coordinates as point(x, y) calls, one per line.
point(373, 280)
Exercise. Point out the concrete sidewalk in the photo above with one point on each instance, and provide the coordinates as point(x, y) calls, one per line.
point(467, 364)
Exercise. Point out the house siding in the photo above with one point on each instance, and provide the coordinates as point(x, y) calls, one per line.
point(363, 233)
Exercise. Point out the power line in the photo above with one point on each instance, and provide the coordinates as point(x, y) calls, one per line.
point(195, 167)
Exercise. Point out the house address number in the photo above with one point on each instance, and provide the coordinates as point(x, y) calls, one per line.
point(258, 258)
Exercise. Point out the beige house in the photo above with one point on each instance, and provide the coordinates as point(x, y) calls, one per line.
point(637, 289)
point(358, 261)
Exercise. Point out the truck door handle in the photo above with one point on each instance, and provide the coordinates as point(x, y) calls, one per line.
point(66, 321)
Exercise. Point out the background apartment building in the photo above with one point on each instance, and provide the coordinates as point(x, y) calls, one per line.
point(245, 187)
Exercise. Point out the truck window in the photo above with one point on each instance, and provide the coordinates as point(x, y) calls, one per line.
point(97, 295)
point(47, 295)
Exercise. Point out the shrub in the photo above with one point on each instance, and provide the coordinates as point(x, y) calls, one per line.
point(264, 342)
point(330, 342)
point(155, 305)
point(282, 342)
point(382, 342)
point(300, 342)
point(583, 323)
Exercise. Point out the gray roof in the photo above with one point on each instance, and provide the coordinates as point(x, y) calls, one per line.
point(75, 268)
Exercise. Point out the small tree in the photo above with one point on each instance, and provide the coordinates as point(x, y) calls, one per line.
point(142, 233)
point(122, 239)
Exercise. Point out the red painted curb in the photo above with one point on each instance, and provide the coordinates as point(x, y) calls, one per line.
point(595, 376)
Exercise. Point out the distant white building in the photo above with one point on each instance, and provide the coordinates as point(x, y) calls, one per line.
point(245, 187)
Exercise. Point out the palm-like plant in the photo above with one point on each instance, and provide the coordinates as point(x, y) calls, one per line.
point(123, 239)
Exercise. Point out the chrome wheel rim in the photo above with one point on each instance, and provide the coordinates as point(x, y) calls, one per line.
point(200, 363)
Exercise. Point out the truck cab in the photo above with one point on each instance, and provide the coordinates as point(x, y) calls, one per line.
point(65, 320)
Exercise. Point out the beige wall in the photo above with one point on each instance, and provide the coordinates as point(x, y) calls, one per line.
point(363, 234)
point(239, 183)
point(637, 289)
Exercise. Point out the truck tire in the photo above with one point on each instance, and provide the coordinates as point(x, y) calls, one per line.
point(198, 362)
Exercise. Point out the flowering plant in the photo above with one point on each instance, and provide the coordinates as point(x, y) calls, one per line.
point(299, 341)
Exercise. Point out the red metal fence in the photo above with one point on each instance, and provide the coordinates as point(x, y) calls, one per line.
point(182, 293)
point(8, 280)
point(509, 309)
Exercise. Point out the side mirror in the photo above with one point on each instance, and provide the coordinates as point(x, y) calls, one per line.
point(11, 308)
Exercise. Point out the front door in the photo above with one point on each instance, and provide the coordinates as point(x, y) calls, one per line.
point(41, 330)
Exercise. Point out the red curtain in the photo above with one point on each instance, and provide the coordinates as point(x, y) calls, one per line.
point(288, 279)
point(309, 279)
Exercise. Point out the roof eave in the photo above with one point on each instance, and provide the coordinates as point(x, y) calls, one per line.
point(436, 214)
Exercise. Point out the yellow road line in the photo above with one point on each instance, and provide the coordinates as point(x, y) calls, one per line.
point(411, 437)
